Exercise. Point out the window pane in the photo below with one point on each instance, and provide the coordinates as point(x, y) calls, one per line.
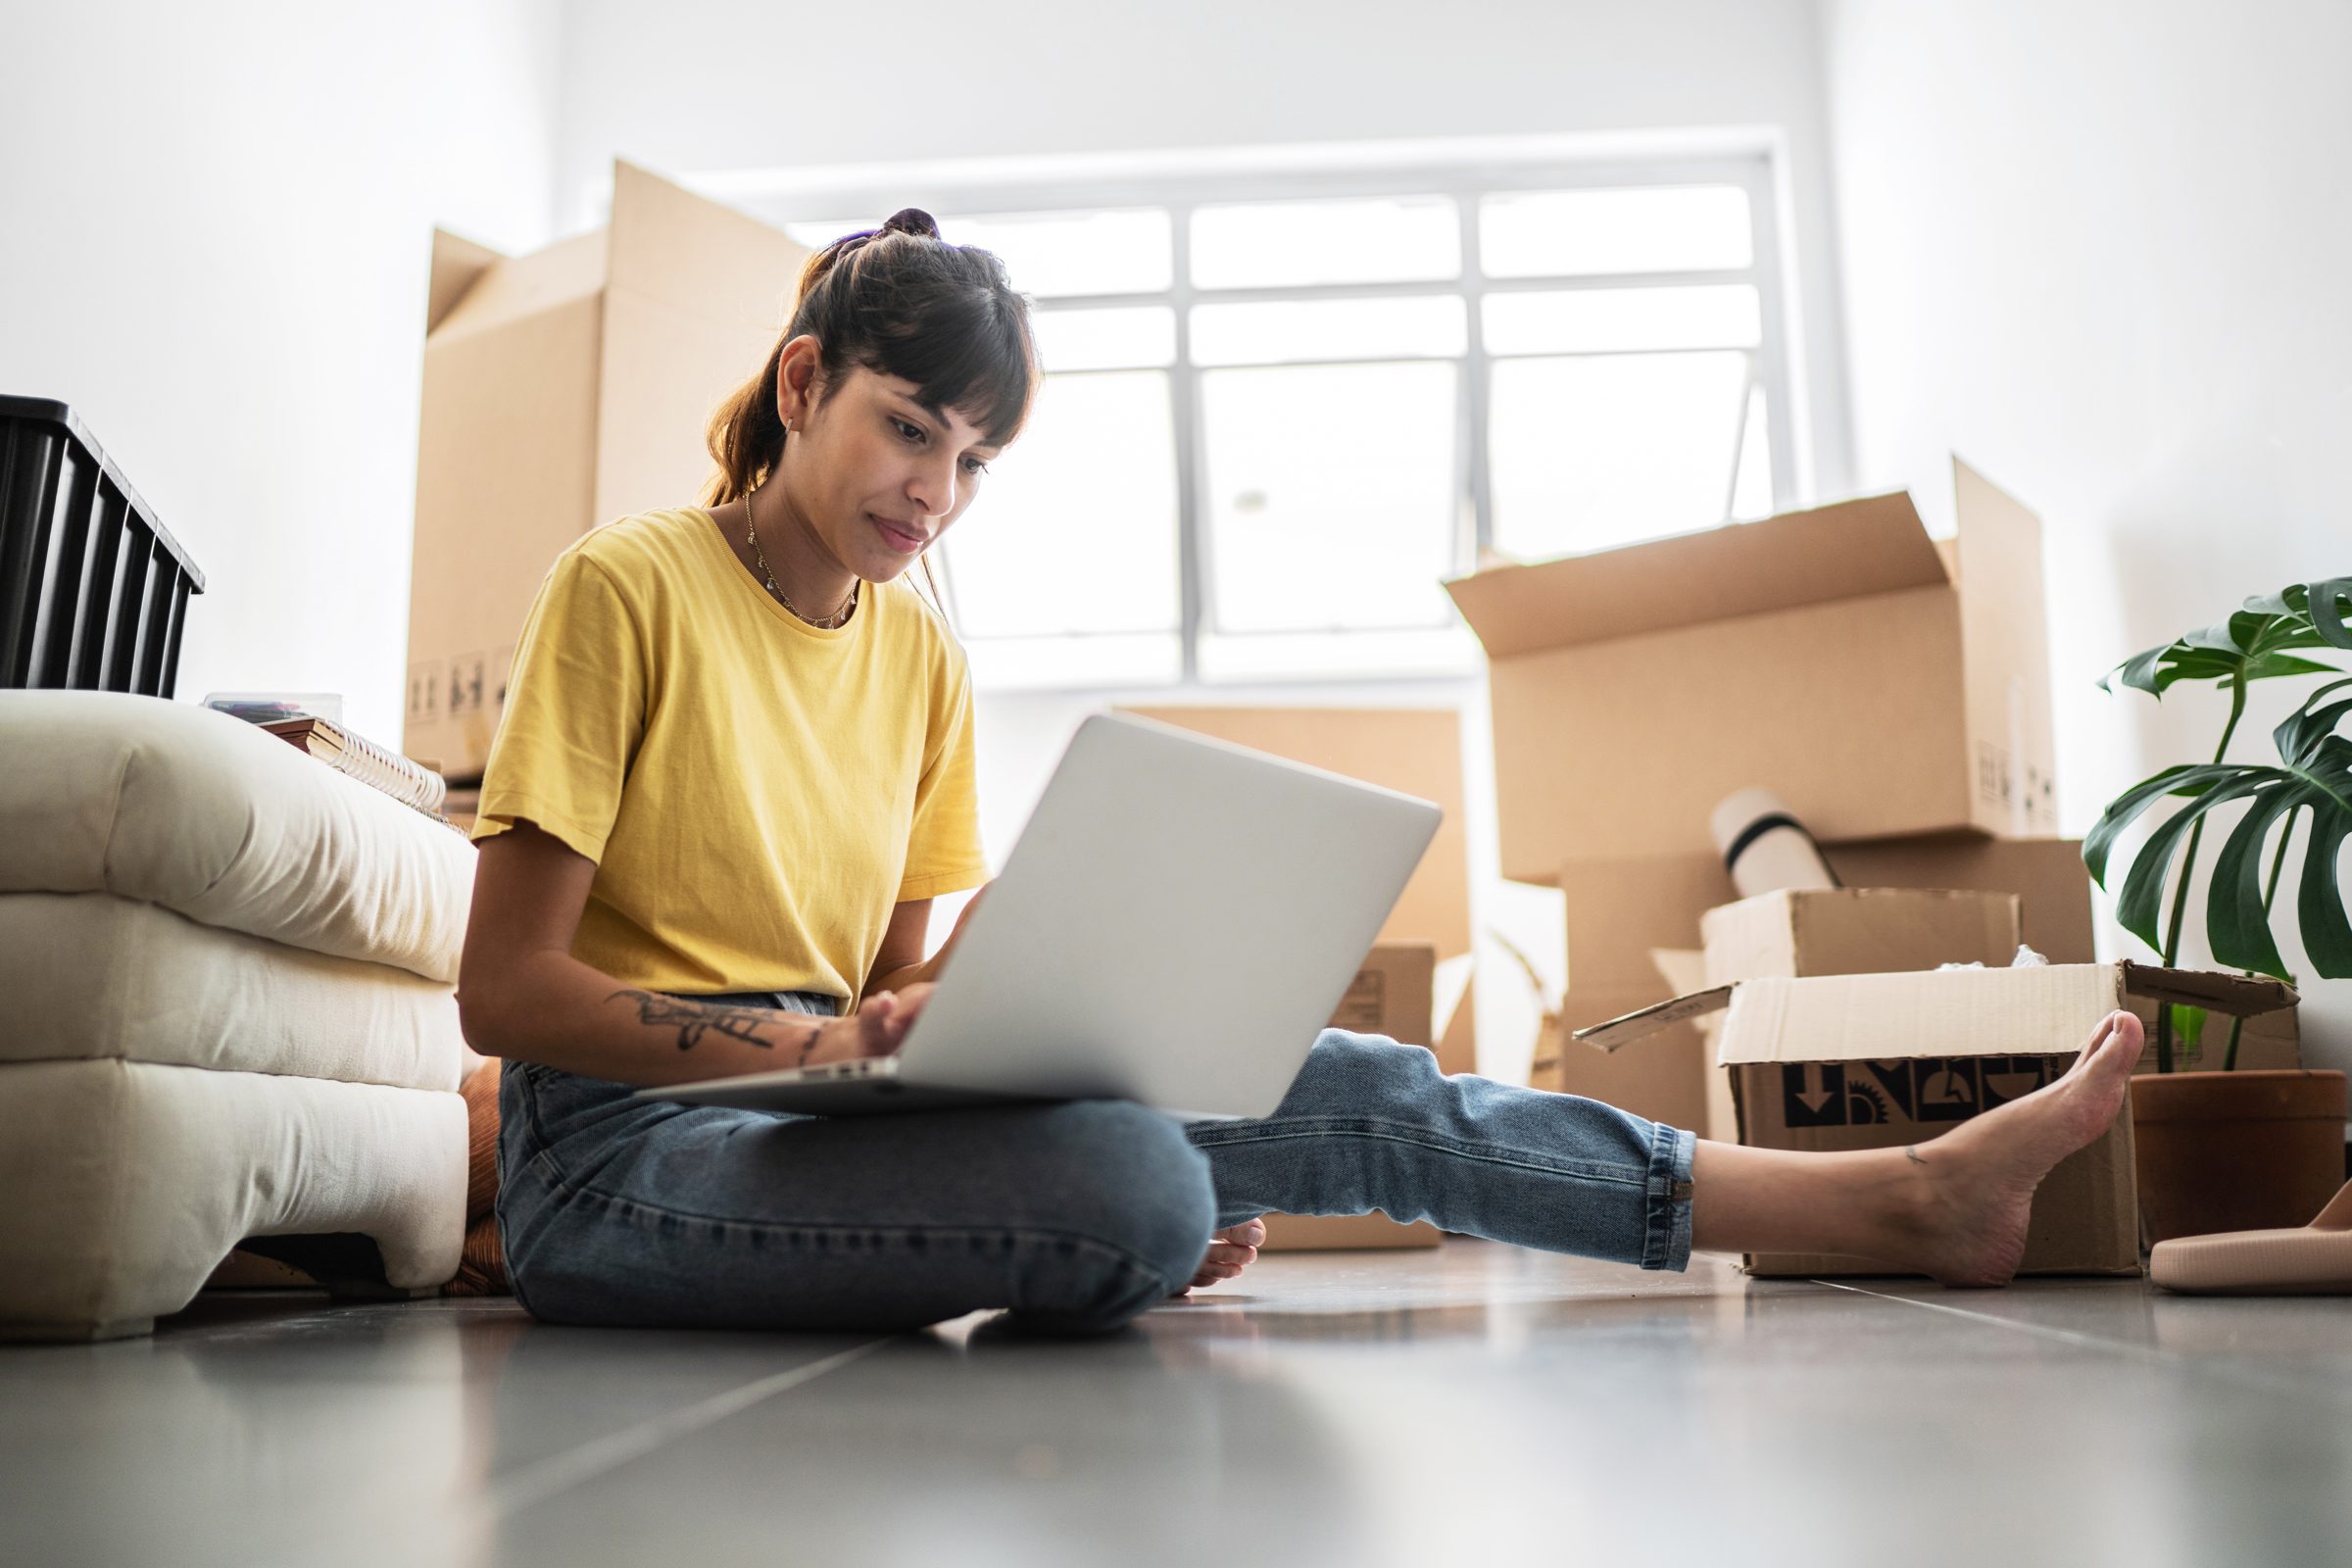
point(1309, 330)
point(1574, 233)
point(1588, 454)
point(1600, 320)
point(1340, 655)
point(1075, 527)
point(1104, 340)
point(1751, 491)
point(1126, 251)
point(1331, 495)
point(1391, 239)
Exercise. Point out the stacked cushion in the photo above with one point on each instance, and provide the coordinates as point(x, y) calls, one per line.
point(230, 1012)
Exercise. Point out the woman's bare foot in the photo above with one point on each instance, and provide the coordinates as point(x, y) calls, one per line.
point(1962, 1218)
point(1231, 1250)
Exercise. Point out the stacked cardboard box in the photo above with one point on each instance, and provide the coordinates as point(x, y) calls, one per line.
point(1893, 690)
point(565, 389)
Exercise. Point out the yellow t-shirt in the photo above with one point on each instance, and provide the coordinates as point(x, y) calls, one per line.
point(757, 792)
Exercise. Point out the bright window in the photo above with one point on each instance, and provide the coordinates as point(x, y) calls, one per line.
point(1272, 424)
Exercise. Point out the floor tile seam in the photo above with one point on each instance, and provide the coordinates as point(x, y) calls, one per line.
point(2045, 1331)
point(545, 1479)
point(2237, 1376)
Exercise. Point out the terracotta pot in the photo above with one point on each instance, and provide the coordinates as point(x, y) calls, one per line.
point(2236, 1151)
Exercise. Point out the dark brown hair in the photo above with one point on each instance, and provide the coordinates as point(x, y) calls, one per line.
point(902, 302)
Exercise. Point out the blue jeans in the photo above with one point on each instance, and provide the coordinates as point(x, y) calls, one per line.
point(1075, 1216)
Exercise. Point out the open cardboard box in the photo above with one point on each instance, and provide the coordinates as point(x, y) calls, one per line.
point(1880, 1060)
point(1881, 685)
point(565, 389)
point(1622, 914)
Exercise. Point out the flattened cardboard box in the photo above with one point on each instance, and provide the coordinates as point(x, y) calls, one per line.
point(1881, 1060)
point(1394, 993)
point(1881, 685)
point(563, 389)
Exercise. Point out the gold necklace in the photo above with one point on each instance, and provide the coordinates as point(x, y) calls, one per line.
point(750, 536)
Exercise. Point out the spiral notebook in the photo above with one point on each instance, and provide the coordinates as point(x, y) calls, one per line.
point(408, 782)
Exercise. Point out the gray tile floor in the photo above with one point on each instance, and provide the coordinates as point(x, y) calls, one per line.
point(1478, 1404)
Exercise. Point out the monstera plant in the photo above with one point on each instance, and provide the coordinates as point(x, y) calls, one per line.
point(2271, 638)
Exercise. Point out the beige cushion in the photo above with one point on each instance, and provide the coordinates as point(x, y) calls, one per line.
point(90, 975)
point(176, 805)
point(129, 1180)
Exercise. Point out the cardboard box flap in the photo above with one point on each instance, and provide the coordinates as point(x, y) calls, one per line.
point(1855, 548)
point(512, 287)
point(1650, 1020)
point(2234, 995)
point(457, 265)
point(2046, 1011)
point(700, 256)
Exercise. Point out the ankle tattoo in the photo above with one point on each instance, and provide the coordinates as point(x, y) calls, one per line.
point(1911, 1153)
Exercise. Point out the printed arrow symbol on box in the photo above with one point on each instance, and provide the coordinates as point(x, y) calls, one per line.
point(1815, 1099)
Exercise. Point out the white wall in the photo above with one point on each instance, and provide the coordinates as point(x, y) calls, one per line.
point(214, 246)
point(709, 85)
point(718, 85)
point(2100, 250)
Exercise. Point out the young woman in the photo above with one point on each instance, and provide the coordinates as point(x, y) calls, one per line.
point(734, 770)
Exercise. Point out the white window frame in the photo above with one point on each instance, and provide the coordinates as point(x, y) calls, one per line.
point(1088, 183)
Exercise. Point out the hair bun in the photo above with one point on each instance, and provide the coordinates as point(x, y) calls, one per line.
point(912, 220)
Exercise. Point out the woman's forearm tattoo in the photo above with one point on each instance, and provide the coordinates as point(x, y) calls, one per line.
point(695, 1019)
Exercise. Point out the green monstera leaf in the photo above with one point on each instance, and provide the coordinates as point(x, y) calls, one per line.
point(2258, 643)
point(2313, 777)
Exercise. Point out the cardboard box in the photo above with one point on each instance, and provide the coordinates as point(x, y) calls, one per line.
point(1835, 656)
point(1666, 1080)
point(1416, 751)
point(565, 389)
point(1622, 915)
point(1856, 931)
point(1394, 995)
point(1880, 1060)
point(1618, 911)
point(2047, 875)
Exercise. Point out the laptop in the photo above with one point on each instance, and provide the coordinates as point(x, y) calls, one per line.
point(1175, 926)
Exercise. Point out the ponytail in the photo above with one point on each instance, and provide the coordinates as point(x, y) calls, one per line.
point(899, 301)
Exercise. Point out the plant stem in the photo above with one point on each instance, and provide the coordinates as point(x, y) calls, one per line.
point(2188, 866)
point(2269, 892)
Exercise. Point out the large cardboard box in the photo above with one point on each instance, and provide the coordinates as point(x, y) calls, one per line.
point(1880, 1060)
point(1881, 686)
point(1394, 993)
point(565, 389)
point(1412, 750)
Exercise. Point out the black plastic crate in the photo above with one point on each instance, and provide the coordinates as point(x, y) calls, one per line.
point(92, 590)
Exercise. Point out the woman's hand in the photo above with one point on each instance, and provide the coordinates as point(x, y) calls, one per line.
point(1230, 1252)
point(876, 1029)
